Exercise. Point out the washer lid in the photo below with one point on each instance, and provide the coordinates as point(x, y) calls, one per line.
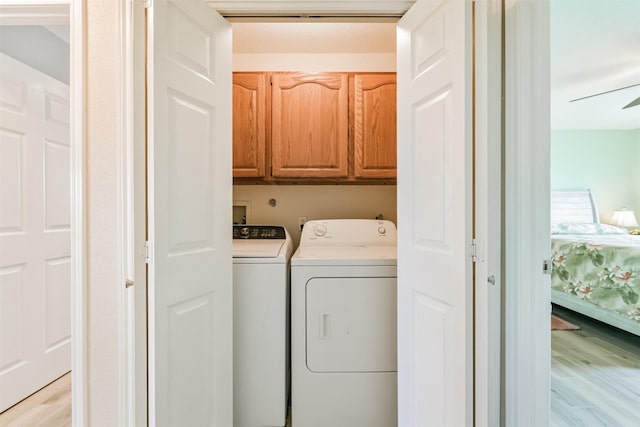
point(258, 248)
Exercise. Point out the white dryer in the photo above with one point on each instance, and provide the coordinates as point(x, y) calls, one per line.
point(261, 340)
point(343, 325)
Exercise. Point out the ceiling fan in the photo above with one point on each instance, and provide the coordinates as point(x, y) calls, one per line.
point(633, 103)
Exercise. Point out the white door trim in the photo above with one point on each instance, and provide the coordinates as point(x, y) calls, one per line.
point(135, 74)
point(130, 268)
point(488, 210)
point(79, 414)
point(16, 12)
point(526, 221)
point(496, 193)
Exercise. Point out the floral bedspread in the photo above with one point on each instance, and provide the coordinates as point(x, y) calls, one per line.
point(603, 269)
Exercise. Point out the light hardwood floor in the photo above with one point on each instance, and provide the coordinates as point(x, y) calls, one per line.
point(595, 375)
point(595, 381)
point(49, 407)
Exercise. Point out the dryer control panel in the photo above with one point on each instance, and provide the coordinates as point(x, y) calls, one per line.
point(258, 232)
point(348, 232)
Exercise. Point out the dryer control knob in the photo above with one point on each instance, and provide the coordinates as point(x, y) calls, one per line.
point(244, 231)
point(382, 230)
point(320, 230)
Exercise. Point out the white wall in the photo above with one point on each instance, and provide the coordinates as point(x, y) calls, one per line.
point(314, 62)
point(355, 51)
point(102, 123)
point(316, 202)
point(605, 161)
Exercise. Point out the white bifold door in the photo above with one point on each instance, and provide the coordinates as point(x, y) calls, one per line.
point(435, 349)
point(189, 190)
point(35, 253)
point(190, 295)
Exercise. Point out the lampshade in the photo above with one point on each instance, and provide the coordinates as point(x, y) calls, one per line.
point(624, 218)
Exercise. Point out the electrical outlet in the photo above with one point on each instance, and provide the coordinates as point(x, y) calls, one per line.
point(302, 220)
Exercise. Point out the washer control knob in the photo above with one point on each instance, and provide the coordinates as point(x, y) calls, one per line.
point(320, 230)
point(382, 230)
point(244, 231)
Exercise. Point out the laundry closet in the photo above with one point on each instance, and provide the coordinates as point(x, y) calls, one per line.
point(289, 198)
point(314, 139)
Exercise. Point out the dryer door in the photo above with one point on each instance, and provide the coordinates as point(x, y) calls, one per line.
point(351, 324)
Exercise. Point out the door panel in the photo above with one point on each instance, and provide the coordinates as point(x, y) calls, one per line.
point(434, 206)
point(190, 308)
point(35, 281)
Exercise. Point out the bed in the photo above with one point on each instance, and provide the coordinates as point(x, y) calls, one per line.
point(596, 267)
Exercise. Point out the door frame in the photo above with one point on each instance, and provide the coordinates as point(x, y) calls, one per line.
point(69, 12)
point(527, 302)
point(79, 384)
point(488, 401)
point(26, 12)
point(488, 210)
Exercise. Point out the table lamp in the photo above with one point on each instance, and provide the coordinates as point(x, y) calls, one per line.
point(625, 218)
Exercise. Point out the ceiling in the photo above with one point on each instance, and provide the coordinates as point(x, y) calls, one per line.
point(595, 47)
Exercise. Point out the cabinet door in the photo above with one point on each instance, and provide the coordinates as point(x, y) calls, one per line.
point(309, 125)
point(249, 124)
point(375, 126)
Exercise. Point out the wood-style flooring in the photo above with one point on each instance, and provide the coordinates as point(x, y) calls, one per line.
point(595, 381)
point(595, 375)
point(49, 407)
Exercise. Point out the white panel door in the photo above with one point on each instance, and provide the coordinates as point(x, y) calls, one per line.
point(35, 253)
point(435, 352)
point(190, 290)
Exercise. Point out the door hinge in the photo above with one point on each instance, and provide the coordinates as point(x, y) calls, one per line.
point(476, 249)
point(546, 266)
point(148, 252)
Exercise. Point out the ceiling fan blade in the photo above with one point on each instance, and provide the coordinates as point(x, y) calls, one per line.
point(608, 91)
point(633, 103)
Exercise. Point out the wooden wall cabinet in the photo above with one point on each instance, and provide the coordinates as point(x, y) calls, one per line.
point(375, 126)
point(249, 124)
point(310, 125)
point(314, 127)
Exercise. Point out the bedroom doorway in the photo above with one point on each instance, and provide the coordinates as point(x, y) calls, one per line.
point(36, 206)
point(594, 147)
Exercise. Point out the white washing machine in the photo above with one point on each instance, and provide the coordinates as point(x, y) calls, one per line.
point(343, 325)
point(261, 340)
